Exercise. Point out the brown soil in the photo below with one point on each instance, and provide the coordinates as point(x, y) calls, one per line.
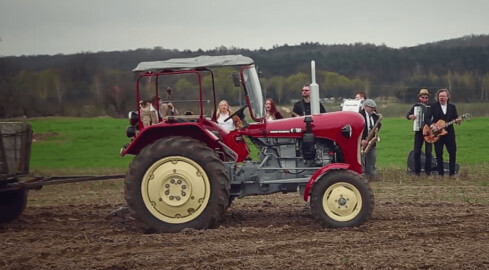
point(69, 228)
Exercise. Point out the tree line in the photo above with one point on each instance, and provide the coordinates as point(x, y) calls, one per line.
point(93, 84)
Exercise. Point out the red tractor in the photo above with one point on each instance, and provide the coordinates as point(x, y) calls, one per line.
point(188, 169)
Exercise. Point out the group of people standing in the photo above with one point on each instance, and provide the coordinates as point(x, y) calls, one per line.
point(429, 115)
point(425, 115)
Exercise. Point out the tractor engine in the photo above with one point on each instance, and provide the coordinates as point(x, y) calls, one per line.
point(294, 155)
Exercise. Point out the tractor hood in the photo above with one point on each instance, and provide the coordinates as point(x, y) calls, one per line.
point(325, 125)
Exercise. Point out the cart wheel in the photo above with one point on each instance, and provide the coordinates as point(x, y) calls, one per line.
point(12, 204)
point(341, 199)
point(177, 183)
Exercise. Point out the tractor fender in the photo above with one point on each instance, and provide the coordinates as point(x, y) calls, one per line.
point(324, 170)
point(156, 132)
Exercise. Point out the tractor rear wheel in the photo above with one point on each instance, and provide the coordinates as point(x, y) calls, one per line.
point(177, 183)
point(12, 204)
point(341, 198)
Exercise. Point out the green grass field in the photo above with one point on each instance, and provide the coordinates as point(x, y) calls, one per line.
point(93, 144)
point(72, 144)
point(397, 140)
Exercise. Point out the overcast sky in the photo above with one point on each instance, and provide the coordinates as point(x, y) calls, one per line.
point(32, 27)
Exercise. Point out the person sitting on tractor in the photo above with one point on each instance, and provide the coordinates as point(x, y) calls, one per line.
point(271, 110)
point(148, 113)
point(167, 109)
point(224, 113)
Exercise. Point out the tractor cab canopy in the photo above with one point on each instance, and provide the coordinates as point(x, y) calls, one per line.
point(248, 78)
point(204, 61)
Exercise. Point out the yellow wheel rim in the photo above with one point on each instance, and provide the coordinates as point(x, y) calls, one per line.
point(175, 189)
point(342, 201)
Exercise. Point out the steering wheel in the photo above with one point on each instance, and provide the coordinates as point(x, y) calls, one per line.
point(239, 113)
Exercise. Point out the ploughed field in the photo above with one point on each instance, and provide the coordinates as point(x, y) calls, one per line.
point(425, 223)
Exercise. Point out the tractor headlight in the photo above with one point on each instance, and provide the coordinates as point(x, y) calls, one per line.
point(131, 131)
point(346, 131)
point(133, 118)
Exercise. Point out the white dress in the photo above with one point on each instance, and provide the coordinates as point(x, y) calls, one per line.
point(228, 125)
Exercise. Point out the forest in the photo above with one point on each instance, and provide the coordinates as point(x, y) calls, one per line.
point(103, 84)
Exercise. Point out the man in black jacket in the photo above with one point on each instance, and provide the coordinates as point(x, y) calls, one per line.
point(371, 117)
point(303, 106)
point(417, 113)
point(443, 110)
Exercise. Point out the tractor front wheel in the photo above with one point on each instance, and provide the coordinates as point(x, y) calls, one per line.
point(341, 198)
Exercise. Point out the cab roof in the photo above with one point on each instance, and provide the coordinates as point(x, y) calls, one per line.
point(203, 61)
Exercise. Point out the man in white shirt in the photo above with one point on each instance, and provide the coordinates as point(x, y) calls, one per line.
point(444, 110)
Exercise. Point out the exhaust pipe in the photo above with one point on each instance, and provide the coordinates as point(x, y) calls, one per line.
point(314, 90)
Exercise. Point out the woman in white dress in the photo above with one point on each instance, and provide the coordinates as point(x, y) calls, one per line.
point(223, 114)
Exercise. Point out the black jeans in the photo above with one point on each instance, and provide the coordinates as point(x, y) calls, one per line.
point(418, 145)
point(449, 141)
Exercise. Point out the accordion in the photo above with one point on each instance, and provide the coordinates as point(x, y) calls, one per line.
point(419, 121)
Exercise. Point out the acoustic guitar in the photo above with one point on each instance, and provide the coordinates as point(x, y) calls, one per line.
point(433, 136)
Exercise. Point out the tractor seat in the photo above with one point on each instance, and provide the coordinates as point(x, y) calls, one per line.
point(181, 118)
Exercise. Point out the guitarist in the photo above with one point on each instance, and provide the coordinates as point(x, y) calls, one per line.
point(425, 109)
point(444, 110)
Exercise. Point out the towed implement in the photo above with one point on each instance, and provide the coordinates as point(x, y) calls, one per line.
point(15, 181)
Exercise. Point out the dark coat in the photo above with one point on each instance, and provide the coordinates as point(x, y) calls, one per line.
point(277, 115)
point(303, 108)
point(437, 114)
point(365, 127)
point(426, 112)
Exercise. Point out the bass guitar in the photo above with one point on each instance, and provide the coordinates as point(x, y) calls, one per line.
point(433, 136)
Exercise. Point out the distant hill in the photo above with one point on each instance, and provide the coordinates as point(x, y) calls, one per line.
point(465, 41)
point(280, 58)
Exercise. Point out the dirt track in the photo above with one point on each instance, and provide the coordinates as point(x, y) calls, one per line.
point(266, 232)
